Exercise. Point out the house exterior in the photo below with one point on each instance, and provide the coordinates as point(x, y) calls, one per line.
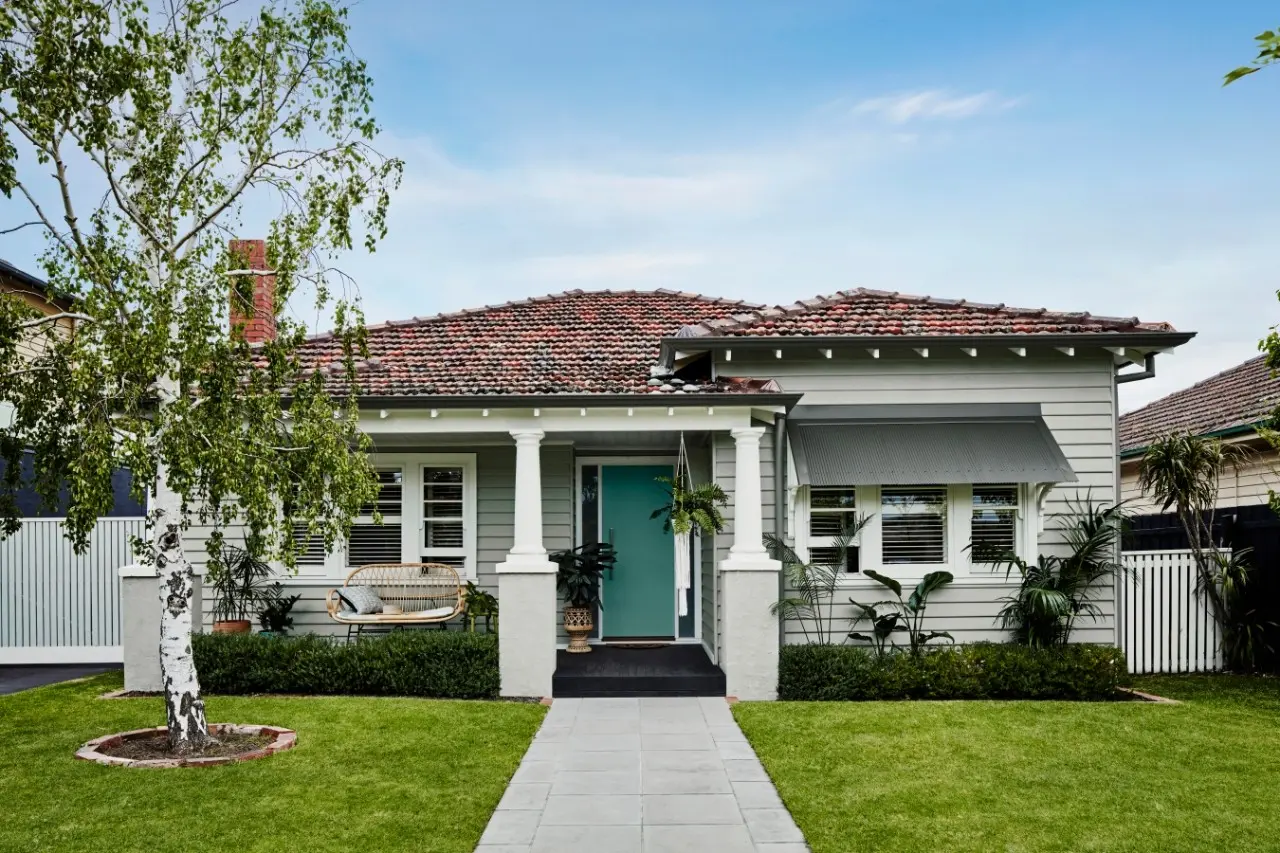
point(507, 432)
point(57, 606)
point(1229, 406)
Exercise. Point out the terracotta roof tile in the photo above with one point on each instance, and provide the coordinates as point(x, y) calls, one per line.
point(569, 343)
point(878, 312)
point(1238, 397)
point(606, 341)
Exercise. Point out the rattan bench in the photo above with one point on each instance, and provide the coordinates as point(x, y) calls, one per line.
point(423, 593)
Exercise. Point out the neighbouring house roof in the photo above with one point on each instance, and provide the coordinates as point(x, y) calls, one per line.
point(605, 342)
point(878, 312)
point(1234, 399)
point(19, 279)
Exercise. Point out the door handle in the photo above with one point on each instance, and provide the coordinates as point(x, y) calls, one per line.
point(611, 548)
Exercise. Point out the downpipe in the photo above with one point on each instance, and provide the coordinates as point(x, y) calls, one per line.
point(780, 505)
point(1148, 371)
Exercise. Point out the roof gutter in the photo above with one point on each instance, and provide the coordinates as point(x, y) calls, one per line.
point(1225, 432)
point(1135, 340)
point(552, 401)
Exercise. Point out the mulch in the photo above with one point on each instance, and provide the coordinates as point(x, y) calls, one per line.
point(157, 747)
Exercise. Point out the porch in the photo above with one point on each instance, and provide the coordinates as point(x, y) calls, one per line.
point(587, 475)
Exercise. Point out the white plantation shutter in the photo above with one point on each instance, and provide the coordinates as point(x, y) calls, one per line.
point(309, 549)
point(995, 520)
point(832, 511)
point(379, 543)
point(913, 525)
point(446, 502)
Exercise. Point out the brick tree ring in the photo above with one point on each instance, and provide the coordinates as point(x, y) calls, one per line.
point(100, 750)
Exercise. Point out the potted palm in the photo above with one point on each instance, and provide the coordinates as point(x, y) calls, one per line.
point(579, 581)
point(689, 508)
point(241, 585)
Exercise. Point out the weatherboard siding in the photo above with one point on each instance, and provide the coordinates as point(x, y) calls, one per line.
point(1076, 399)
point(1246, 484)
point(495, 512)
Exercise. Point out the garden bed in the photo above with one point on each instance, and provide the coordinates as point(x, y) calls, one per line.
point(979, 671)
point(434, 664)
point(150, 747)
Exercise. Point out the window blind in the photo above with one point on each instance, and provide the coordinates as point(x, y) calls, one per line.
point(913, 524)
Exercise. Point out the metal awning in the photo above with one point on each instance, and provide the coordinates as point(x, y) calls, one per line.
point(915, 445)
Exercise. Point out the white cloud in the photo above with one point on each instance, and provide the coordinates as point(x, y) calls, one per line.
point(934, 104)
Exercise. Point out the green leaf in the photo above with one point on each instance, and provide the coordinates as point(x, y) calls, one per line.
point(886, 581)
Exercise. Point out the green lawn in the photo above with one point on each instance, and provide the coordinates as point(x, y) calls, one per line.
point(367, 775)
point(1023, 776)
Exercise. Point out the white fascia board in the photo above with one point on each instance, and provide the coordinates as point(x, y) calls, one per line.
point(642, 419)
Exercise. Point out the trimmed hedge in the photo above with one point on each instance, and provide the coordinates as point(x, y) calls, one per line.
point(980, 671)
point(440, 664)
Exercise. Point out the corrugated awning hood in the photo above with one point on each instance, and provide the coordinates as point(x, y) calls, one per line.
point(916, 445)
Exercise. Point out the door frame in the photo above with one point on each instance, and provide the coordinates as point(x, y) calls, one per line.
point(696, 565)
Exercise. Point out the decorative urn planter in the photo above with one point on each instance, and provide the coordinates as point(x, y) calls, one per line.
point(578, 625)
point(232, 626)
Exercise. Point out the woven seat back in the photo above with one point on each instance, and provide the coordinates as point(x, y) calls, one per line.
point(411, 586)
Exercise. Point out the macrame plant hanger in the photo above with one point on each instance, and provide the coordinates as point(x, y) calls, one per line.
point(684, 569)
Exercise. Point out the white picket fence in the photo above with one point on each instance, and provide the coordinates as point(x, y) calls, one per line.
point(1163, 625)
point(57, 606)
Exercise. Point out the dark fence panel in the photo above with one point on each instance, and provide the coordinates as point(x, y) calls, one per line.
point(1237, 528)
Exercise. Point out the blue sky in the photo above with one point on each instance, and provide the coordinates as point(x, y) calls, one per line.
point(1074, 155)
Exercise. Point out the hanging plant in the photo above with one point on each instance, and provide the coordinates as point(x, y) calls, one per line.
point(688, 506)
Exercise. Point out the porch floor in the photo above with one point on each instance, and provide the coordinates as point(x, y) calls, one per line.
point(674, 670)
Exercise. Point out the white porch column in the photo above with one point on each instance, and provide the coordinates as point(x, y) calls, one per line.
point(748, 583)
point(527, 584)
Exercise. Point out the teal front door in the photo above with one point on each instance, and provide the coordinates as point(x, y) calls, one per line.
point(640, 594)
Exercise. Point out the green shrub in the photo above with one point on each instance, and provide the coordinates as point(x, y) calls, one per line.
point(440, 664)
point(980, 671)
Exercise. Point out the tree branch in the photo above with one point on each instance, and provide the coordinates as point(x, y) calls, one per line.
point(20, 227)
point(53, 318)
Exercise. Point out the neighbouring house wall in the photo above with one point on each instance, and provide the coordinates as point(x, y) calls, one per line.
point(1246, 484)
point(1076, 399)
point(495, 509)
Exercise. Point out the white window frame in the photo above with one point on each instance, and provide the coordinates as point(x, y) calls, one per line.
point(959, 533)
point(468, 551)
point(802, 514)
point(412, 518)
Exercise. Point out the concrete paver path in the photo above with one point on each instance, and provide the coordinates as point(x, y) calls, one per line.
point(641, 776)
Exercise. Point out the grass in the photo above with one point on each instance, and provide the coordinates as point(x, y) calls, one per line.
point(1026, 777)
point(367, 774)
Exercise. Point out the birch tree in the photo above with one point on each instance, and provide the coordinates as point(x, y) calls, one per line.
point(138, 142)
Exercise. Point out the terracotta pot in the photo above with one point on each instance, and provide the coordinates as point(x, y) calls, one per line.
point(232, 626)
point(578, 625)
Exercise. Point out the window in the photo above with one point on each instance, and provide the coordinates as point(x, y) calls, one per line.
point(913, 524)
point(379, 543)
point(832, 513)
point(995, 522)
point(444, 523)
point(309, 549)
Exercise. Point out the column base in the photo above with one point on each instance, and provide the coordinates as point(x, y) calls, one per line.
point(749, 638)
point(527, 638)
point(526, 564)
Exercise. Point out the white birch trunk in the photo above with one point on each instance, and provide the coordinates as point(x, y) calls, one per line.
point(184, 709)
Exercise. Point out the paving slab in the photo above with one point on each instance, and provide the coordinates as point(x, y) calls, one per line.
point(646, 775)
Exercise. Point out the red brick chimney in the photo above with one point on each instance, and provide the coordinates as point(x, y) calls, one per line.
point(260, 325)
